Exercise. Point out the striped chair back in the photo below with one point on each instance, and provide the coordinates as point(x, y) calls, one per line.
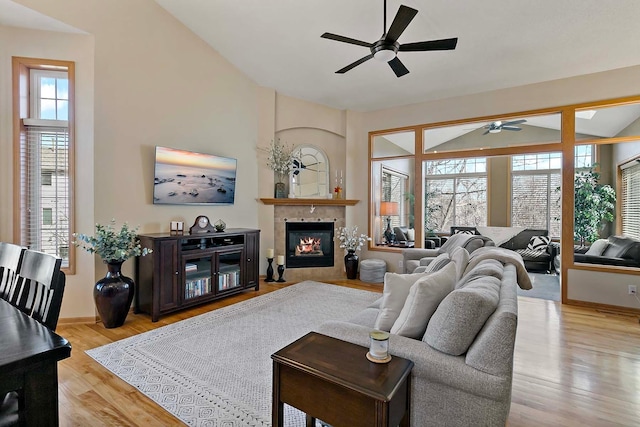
point(39, 286)
point(10, 258)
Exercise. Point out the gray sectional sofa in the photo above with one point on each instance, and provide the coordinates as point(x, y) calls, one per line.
point(454, 382)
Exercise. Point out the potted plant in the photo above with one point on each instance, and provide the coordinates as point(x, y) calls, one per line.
point(351, 242)
point(594, 205)
point(112, 294)
point(280, 160)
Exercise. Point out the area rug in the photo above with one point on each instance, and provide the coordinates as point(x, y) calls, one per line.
point(545, 286)
point(215, 369)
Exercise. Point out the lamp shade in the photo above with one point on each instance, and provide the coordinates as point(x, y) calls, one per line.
point(389, 208)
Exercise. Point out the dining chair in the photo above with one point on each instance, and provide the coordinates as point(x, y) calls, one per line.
point(10, 257)
point(39, 287)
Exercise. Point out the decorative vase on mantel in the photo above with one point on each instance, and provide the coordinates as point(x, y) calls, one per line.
point(280, 190)
point(351, 264)
point(113, 295)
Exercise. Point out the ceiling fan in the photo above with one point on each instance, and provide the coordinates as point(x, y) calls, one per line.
point(498, 126)
point(387, 48)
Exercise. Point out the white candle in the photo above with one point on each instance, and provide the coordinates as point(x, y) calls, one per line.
point(280, 260)
point(270, 253)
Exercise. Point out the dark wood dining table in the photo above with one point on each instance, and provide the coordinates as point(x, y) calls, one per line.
point(29, 355)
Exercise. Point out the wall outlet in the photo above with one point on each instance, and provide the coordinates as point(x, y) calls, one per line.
point(633, 290)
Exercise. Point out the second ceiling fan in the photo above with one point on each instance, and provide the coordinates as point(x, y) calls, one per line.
point(387, 48)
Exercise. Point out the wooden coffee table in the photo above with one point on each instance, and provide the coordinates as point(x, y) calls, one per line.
point(332, 380)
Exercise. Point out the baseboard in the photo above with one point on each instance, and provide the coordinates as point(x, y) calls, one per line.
point(615, 309)
point(72, 320)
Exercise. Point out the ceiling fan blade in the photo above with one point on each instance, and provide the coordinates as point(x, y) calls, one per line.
point(510, 128)
point(514, 122)
point(444, 44)
point(485, 132)
point(403, 18)
point(344, 39)
point(355, 64)
point(398, 67)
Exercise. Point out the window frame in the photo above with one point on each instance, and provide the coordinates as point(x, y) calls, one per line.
point(22, 108)
point(456, 177)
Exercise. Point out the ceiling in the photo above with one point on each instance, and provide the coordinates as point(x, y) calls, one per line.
point(500, 44)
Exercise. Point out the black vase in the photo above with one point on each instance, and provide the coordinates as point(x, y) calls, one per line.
point(351, 264)
point(113, 295)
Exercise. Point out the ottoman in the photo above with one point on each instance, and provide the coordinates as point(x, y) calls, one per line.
point(372, 270)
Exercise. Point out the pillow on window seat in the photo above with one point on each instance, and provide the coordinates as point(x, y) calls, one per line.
point(598, 247)
point(539, 243)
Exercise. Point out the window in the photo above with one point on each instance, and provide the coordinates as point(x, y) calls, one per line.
point(47, 216)
point(394, 188)
point(43, 151)
point(630, 202)
point(455, 193)
point(536, 179)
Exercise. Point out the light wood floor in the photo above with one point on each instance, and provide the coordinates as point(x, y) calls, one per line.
point(573, 366)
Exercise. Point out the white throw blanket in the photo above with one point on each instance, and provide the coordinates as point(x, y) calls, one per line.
point(499, 235)
point(505, 256)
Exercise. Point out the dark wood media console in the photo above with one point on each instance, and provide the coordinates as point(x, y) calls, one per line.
point(191, 269)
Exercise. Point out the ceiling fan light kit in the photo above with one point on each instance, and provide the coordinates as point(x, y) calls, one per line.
point(386, 49)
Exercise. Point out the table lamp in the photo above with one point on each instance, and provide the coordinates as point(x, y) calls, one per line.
point(388, 209)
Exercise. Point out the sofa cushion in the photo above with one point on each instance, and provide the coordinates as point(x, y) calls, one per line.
point(424, 297)
point(598, 247)
point(538, 243)
point(394, 294)
point(487, 267)
point(461, 315)
point(460, 257)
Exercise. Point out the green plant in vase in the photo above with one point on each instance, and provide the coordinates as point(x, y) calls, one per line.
point(594, 205)
point(112, 294)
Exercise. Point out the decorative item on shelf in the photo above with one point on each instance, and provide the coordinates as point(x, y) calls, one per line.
point(270, 267)
point(113, 294)
point(280, 160)
point(389, 209)
point(201, 225)
point(338, 189)
point(280, 263)
point(379, 347)
point(351, 242)
point(220, 225)
point(177, 228)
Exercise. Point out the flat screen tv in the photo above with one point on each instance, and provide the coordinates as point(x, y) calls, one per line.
point(188, 178)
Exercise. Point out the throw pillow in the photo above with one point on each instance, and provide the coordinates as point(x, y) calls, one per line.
point(461, 315)
point(538, 243)
point(464, 232)
point(598, 247)
point(460, 257)
point(424, 297)
point(394, 294)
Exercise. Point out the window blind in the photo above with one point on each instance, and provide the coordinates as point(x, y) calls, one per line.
point(44, 191)
point(631, 199)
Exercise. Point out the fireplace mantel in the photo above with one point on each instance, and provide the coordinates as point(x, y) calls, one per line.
point(309, 202)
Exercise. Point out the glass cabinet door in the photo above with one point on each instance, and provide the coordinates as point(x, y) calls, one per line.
point(229, 270)
point(197, 274)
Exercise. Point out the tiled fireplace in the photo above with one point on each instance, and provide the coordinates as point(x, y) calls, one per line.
point(309, 224)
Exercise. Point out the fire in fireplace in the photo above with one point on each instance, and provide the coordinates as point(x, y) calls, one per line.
point(309, 244)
